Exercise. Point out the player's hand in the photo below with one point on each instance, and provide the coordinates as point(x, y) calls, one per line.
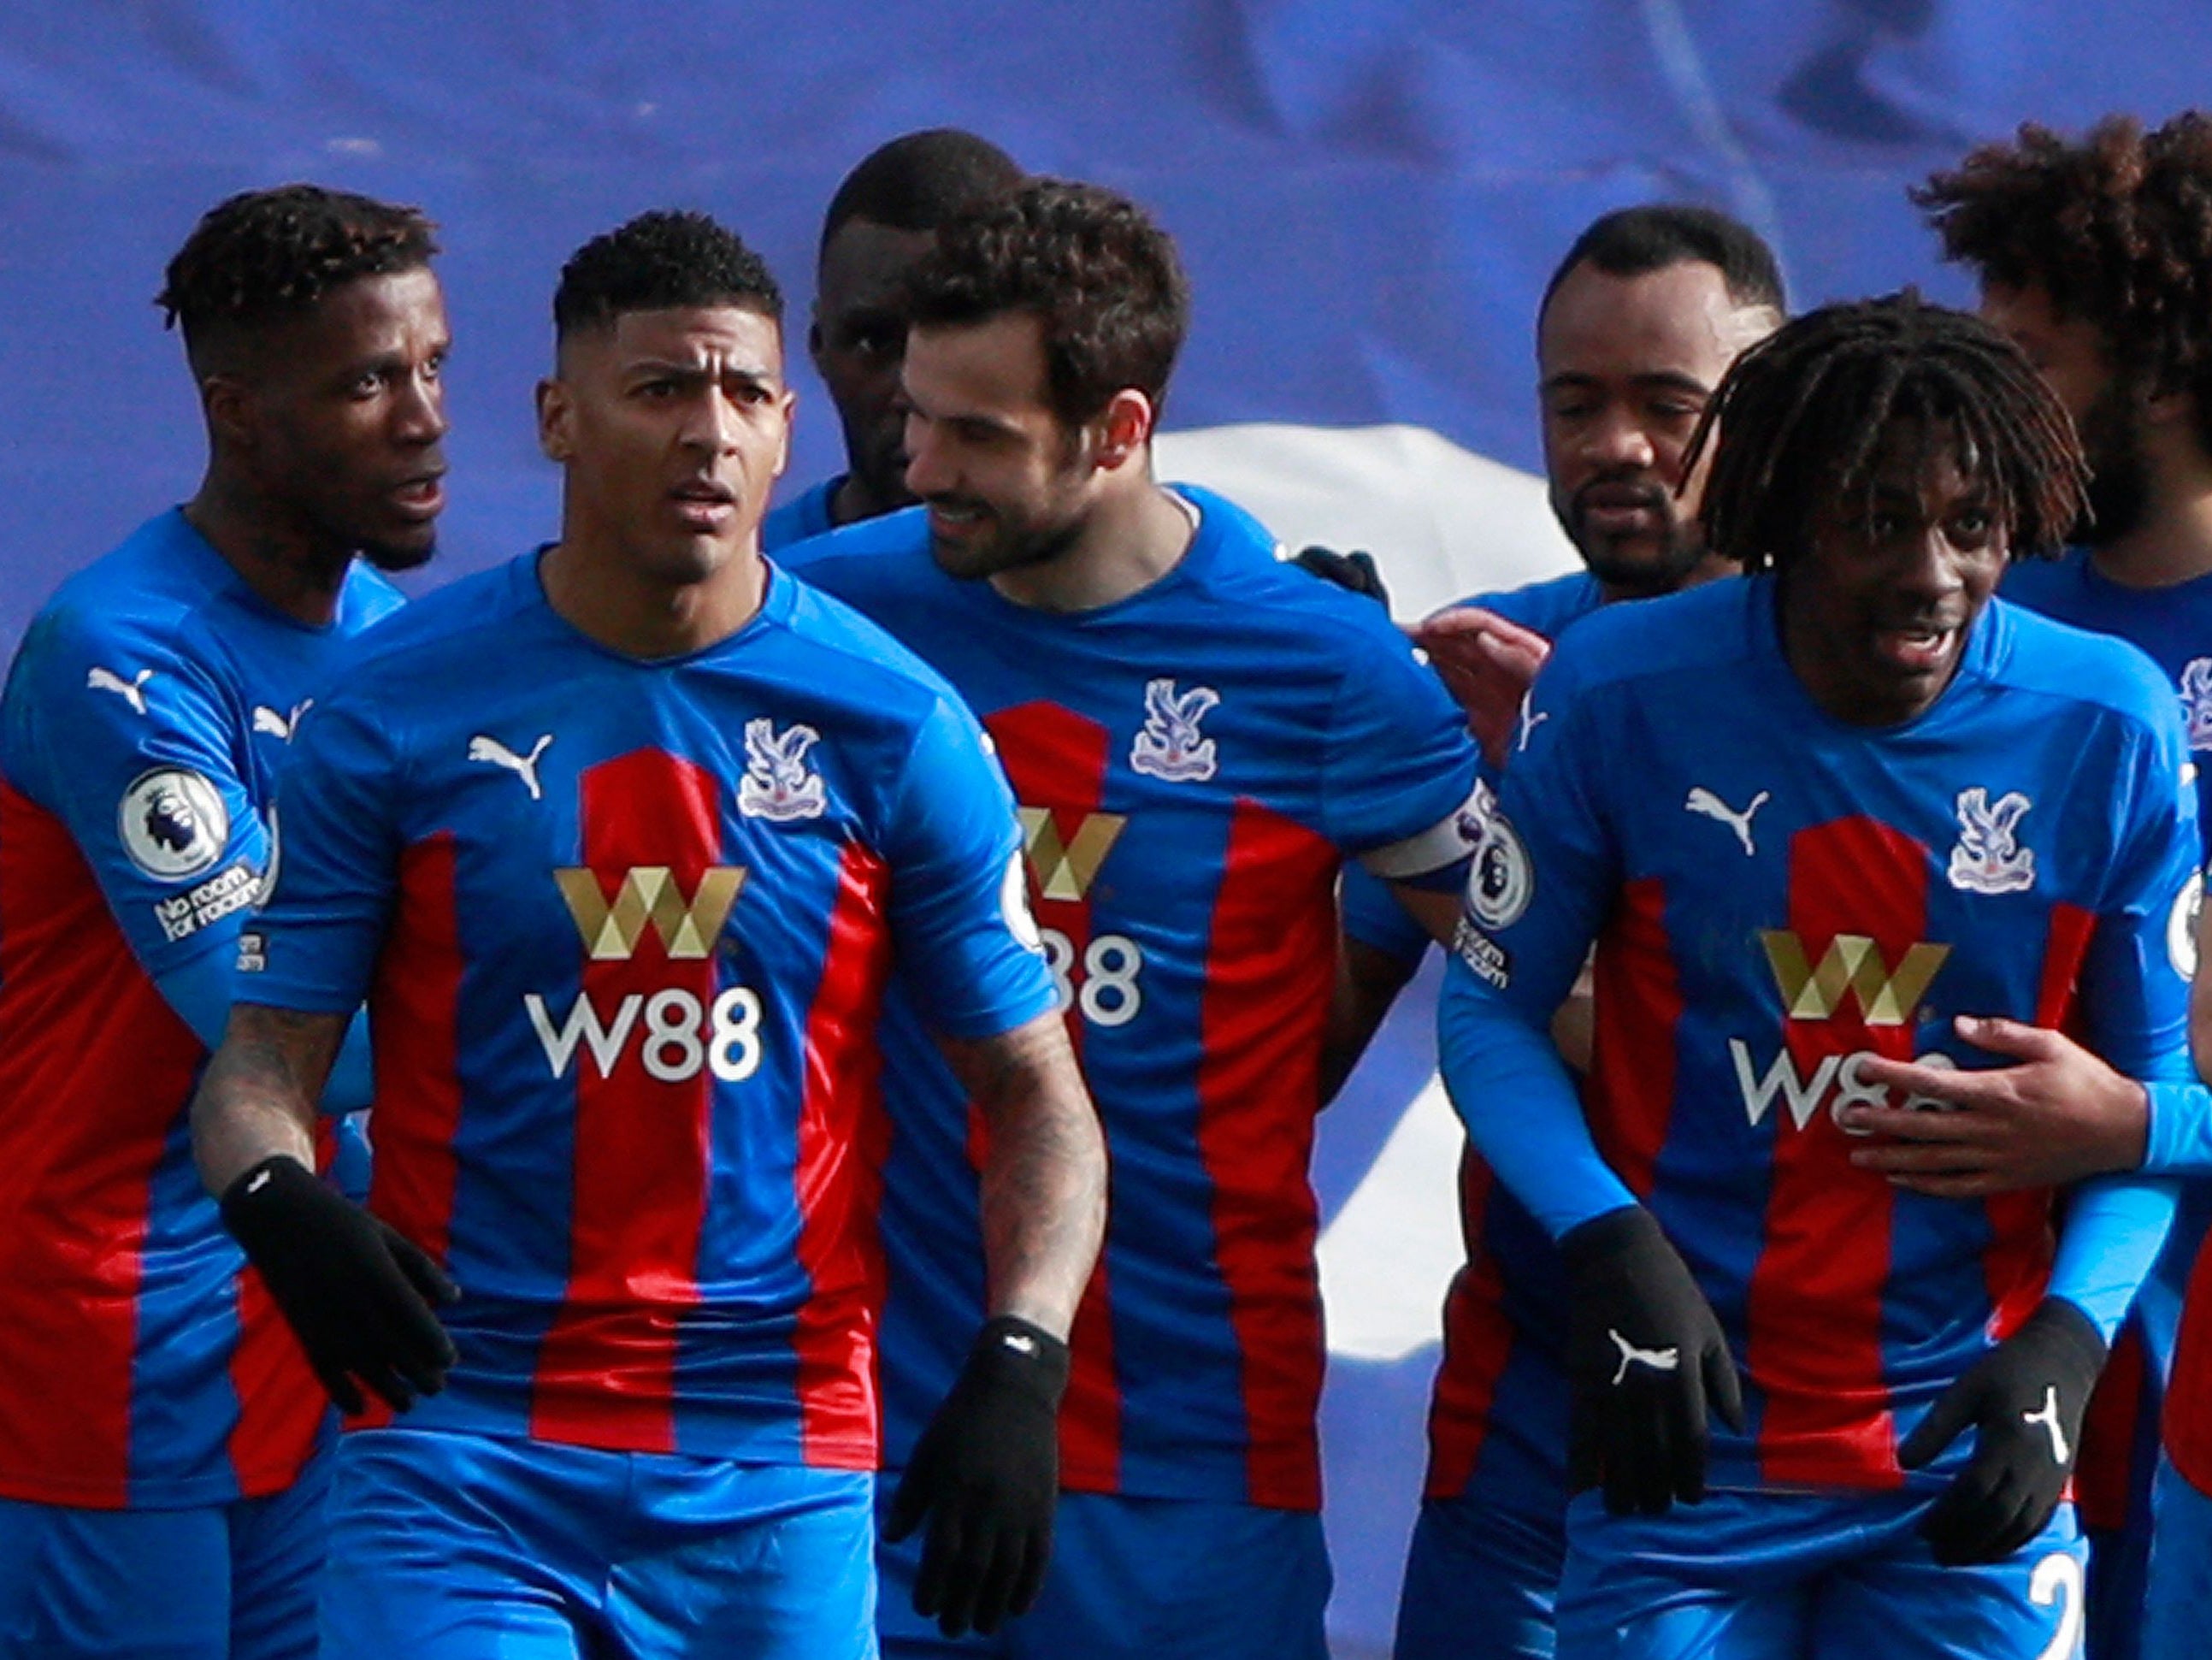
point(2024, 1401)
point(986, 1475)
point(1487, 664)
point(2061, 1115)
point(1646, 1359)
point(1355, 570)
point(358, 1294)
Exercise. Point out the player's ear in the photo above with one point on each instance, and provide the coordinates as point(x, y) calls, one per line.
point(814, 339)
point(231, 411)
point(1125, 428)
point(556, 418)
point(788, 401)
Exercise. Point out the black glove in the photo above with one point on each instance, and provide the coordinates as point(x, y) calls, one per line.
point(357, 1293)
point(987, 1473)
point(2024, 1401)
point(1354, 570)
point(1645, 1357)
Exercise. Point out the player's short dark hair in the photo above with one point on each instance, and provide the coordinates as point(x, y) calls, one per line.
point(920, 179)
point(660, 261)
point(1803, 416)
point(265, 255)
point(1634, 242)
point(2116, 229)
point(1090, 264)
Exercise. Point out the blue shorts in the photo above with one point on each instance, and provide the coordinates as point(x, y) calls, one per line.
point(2177, 1611)
point(457, 1546)
point(1768, 1576)
point(1482, 1575)
point(1143, 1579)
point(218, 1580)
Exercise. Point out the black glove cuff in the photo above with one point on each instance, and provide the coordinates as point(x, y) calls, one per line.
point(1011, 1352)
point(1596, 1243)
point(2068, 1333)
point(278, 1185)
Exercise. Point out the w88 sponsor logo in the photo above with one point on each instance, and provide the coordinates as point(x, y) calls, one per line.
point(673, 1032)
point(1837, 1081)
point(1104, 985)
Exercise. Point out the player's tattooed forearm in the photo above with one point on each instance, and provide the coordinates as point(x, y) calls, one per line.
point(257, 1095)
point(1044, 1181)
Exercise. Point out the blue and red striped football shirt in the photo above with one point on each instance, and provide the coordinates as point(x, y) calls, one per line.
point(1192, 764)
point(1774, 893)
point(624, 927)
point(145, 718)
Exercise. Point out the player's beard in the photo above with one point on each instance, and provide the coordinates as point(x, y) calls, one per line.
point(387, 557)
point(2119, 475)
point(1642, 566)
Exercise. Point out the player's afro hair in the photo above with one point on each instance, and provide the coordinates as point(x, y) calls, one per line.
point(1804, 415)
point(660, 261)
point(1634, 241)
point(1094, 270)
point(921, 180)
point(268, 254)
point(2116, 229)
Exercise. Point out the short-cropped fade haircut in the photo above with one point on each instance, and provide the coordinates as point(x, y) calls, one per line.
point(267, 256)
point(1100, 278)
point(1636, 242)
point(663, 261)
point(1805, 414)
point(920, 179)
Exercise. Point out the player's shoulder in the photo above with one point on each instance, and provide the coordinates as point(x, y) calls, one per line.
point(446, 627)
point(890, 552)
point(1700, 630)
point(1546, 606)
point(2056, 587)
point(858, 663)
point(806, 514)
point(146, 603)
point(2030, 652)
point(1234, 569)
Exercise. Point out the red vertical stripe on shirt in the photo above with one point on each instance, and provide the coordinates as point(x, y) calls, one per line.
point(2188, 1430)
point(94, 1067)
point(606, 1368)
point(414, 1020)
point(1639, 1001)
point(1478, 1344)
point(1055, 760)
point(1270, 973)
point(1813, 1308)
point(843, 1136)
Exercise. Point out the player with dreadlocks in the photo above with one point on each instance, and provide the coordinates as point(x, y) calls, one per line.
point(162, 1440)
point(2095, 256)
point(1874, 813)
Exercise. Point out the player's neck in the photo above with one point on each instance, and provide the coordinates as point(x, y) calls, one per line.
point(1130, 539)
point(603, 596)
point(2172, 544)
point(853, 500)
point(285, 566)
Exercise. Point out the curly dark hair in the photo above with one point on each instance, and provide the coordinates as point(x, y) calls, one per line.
point(1803, 416)
point(1090, 264)
point(268, 254)
point(658, 261)
point(920, 179)
point(2116, 229)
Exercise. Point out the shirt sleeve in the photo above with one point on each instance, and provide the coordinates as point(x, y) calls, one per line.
point(1398, 767)
point(2115, 1227)
point(312, 945)
point(1546, 869)
point(1373, 916)
point(959, 903)
point(138, 749)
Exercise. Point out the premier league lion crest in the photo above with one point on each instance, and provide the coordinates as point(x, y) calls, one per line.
point(172, 824)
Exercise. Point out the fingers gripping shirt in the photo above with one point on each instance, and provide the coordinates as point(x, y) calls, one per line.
point(625, 927)
point(1774, 895)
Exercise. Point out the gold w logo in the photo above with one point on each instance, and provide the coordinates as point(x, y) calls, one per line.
point(1853, 963)
point(1064, 870)
point(650, 897)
